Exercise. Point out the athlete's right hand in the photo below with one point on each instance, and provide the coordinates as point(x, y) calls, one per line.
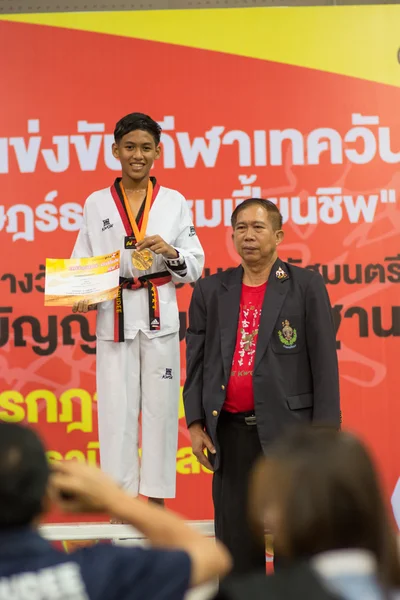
point(82, 306)
point(201, 441)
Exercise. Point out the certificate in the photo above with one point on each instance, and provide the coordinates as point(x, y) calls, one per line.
point(71, 280)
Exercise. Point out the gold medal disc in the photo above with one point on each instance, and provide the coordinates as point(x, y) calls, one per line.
point(142, 260)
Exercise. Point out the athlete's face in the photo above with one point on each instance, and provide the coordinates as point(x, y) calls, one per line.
point(137, 152)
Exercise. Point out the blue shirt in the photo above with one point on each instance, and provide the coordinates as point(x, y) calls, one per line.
point(31, 569)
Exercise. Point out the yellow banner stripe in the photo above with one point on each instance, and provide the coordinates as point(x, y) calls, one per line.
point(359, 41)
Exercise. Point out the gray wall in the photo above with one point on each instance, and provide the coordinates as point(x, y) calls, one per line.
point(25, 6)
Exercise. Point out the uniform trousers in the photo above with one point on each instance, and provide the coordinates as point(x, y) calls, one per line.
point(239, 449)
point(140, 375)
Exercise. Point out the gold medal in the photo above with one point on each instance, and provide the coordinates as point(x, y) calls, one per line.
point(142, 260)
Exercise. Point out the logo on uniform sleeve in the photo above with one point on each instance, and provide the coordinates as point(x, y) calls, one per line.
point(192, 231)
point(287, 335)
point(167, 374)
point(107, 224)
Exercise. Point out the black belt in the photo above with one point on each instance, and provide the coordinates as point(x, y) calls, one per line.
point(151, 282)
point(240, 417)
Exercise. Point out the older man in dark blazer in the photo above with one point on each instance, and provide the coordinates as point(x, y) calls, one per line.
point(261, 356)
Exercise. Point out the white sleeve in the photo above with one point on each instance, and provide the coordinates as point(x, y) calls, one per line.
point(190, 262)
point(83, 244)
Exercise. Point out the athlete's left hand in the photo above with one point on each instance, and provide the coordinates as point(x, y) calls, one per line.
point(156, 244)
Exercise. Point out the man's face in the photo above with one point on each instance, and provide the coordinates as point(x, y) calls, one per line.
point(254, 238)
point(137, 152)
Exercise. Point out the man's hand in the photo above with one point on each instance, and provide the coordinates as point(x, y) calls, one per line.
point(156, 244)
point(83, 306)
point(201, 441)
point(78, 487)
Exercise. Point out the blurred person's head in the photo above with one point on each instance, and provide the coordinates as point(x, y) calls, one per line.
point(24, 476)
point(318, 491)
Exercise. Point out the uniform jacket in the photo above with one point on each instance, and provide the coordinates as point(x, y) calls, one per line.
point(295, 375)
point(103, 232)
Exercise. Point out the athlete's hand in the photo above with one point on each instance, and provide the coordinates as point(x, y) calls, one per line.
point(156, 244)
point(200, 441)
point(83, 306)
point(78, 487)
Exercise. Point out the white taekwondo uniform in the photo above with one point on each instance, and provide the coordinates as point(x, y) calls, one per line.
point(142, 373)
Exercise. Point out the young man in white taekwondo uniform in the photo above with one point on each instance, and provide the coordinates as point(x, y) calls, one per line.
point(138, 363)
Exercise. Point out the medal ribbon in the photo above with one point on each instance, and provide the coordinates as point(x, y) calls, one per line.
point(139, 229)
point(124, 210)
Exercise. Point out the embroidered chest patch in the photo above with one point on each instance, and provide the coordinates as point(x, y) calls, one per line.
point(287, 335)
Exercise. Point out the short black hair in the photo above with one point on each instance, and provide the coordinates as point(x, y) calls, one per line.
point(24, 475)
point(136, 121)
point(271, 208)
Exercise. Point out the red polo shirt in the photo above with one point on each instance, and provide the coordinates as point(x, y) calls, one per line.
point(239, 392)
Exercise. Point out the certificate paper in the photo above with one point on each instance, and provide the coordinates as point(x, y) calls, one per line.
point(72, 280)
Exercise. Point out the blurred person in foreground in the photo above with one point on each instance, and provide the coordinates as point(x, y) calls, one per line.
point(319, 494)
point(30, 568)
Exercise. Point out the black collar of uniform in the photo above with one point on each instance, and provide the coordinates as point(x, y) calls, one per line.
point(22, 541)
point(117, 185)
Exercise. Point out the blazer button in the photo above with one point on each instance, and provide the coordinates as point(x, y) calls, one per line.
point(222, 387)
point(215, 413)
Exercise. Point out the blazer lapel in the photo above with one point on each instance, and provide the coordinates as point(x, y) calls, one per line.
point(228, 314)
point(277, 289)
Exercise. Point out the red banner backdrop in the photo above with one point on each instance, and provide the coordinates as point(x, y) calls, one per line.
point(325, 147)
